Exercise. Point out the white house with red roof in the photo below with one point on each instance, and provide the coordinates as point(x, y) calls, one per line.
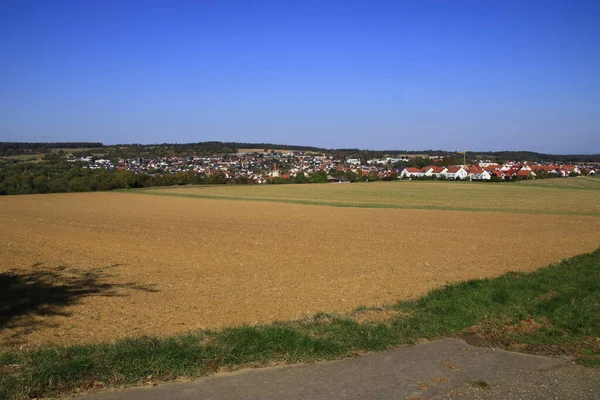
point(456, 172)
point(427, 171)
point(411, 172)
point(525, 173)
point(439, 171)
point(480, 175)
point(566, 170)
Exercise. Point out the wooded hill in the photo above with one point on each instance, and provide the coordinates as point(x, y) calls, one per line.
point(216, 147)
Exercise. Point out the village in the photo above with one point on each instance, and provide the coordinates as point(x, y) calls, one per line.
point(275, 166)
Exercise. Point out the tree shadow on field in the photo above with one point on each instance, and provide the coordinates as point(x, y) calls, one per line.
point(46, 291)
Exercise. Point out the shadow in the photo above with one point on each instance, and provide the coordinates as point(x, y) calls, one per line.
point(46, 291)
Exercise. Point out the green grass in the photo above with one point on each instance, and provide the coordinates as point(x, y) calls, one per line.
point(554, 308)
point(481, 384)
point(24, 157)
point(557, 197)
point(580, 182)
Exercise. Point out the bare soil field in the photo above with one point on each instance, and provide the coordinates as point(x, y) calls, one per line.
point(93, 267)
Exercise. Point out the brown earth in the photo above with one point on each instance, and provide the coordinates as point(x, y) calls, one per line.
point(93, 267)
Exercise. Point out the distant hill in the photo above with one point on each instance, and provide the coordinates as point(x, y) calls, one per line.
point(533, 156)
point(216, 147)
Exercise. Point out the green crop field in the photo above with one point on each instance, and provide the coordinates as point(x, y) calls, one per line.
point(582, 182)
point(25, 157)
point(550, 196)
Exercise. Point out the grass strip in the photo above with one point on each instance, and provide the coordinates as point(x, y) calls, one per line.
point(361, 205)
point(553, 310)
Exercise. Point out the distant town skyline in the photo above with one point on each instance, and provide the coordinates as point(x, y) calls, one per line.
point(381, 75)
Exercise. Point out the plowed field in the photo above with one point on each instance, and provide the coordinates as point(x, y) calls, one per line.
point(93, 267)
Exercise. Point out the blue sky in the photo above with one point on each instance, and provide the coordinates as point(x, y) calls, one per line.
point(422, 74)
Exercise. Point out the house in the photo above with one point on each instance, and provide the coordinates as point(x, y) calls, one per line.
point(525, 174)
point(434, 170)
point(480, 175)
point(275, 172)
point(427, 171)
point(526, 167)
point(490, 168)
point(410, 172)
point(386, 175)
point(511, 173)
point(498, 174)
point(439, 171)
point(550, 169)
point(396, 160)
point(455, 172)
point(340, 179)
point(474, 169)
point(569, 169)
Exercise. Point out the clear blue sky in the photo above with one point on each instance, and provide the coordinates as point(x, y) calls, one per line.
point(421, 74)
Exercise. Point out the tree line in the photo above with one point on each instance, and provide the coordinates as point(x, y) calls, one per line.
point(534, 157)
point(216, 147)
point(62, 176)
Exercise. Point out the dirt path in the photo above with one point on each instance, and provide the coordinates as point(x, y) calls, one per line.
point(446, 369)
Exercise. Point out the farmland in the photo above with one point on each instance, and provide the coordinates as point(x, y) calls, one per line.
point(164, 261)
point(36, 157)
point(535, 197)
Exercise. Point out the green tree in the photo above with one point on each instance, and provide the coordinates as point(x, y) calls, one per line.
point(373, 176)
point(300, 178)
point(318, 177)
point(79, 184)
point(352, 176)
